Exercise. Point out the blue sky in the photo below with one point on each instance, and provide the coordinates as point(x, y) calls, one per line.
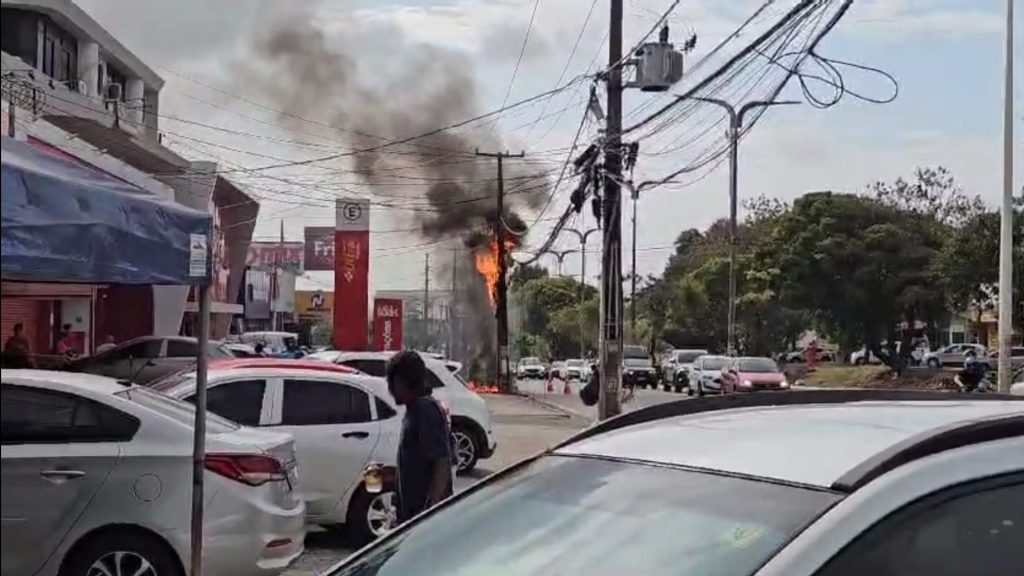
point(946, 54)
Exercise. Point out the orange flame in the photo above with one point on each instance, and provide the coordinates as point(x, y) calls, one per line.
point(487, 266)
point(483, 388)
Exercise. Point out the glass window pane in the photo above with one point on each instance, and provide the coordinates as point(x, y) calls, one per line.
point(241, 401)
point(182, 349)
point(310, 402)
point(582, 516)
point(33, 415)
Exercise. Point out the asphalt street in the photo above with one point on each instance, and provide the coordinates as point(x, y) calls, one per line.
point(523, 426)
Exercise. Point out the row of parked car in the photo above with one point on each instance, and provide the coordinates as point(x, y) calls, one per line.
point(96, 470)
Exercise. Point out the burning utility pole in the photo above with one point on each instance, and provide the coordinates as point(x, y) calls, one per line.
point(501, 365)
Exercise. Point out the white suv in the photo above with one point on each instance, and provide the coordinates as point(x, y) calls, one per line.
point(341, 421)
point(471, 420)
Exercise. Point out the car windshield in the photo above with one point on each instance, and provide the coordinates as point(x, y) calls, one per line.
point(567, 513)
point(634, 352)
point(173, 380)
point(713, 362)
point(758, 365)
point(637, 361)
point(530, 361)
point(176, 409)
point(574, 363)
point(688, 356)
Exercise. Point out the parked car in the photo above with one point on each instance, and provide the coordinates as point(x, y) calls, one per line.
point(800, 356)
point(864, 356)
point(953, 355)
point(707, 374)
point(576, 369)
point(750, 374)
point(557, 370)
point(844, 483)
point(1016, 358)
point(97, 480)
point(471, 419)
point(239, 350)
point(531, 367)
point(147, 358)
point(273, 341)
point(341, 419)
point(682, 363)
point(1017, 388)
point(637, 368)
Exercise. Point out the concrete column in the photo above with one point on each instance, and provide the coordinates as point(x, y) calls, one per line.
point(134, 93)
point(89, 67)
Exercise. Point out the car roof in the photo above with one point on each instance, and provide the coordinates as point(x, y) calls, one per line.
point(810, 444)
point(281, 364)
point(66, 381)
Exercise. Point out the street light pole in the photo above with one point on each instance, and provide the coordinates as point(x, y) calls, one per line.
point(735, 125)
point(582, 236)
point(1006, 223)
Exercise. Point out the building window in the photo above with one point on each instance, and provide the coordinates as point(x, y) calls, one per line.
point(115, 77)
point(19, 34)
point(60, 54)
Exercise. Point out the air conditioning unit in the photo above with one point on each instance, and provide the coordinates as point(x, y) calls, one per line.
point(112, 92)
point(658, 66)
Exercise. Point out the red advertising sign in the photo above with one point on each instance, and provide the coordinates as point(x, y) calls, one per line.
point(270, 255)
point(319, 251)
point(351, 274)
point(387, 324)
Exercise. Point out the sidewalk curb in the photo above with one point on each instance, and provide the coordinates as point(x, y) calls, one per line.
point(556, 407)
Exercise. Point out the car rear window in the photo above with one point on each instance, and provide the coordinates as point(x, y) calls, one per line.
point(758, 365)
point(175, 409)
point(689, 356)
point(575, 516)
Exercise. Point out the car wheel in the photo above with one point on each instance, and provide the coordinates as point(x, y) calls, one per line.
point(370, 516)
point(467, 448)
point(122, 552)
point(933, 363)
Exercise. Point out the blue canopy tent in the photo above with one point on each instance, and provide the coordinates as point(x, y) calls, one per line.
point(66, 222)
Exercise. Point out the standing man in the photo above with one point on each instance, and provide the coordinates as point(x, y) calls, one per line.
point(425, 447)
point(17, 353)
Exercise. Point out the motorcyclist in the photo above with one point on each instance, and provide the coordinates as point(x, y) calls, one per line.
point(973, 373)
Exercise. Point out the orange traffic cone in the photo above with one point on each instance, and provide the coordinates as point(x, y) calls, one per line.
point(567, 389)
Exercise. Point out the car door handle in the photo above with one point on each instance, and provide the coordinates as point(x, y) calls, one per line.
point(61, 476)
point(357, 434)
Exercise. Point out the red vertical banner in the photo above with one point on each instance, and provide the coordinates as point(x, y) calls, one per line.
point(387, 324)
point(351, 273)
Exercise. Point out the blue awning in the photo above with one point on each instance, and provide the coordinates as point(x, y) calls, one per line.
point(66, 222)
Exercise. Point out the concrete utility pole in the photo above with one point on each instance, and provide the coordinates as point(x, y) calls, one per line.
point(735, 125)
point(582, 236)
point(450, 353)
point(1006, 221)
point(199, 432)
point(426, 299)
point(634, 194)
point(501, 302)
point(610, 360)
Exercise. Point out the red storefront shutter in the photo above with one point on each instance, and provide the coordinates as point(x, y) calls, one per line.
point(30, 313)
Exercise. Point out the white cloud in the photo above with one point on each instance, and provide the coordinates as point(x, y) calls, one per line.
point(898, 19)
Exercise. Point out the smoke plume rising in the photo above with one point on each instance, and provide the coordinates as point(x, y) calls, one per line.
point(372, 85)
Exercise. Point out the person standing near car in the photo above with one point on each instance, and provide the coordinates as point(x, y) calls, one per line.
point(17, 351)
point(425, 445)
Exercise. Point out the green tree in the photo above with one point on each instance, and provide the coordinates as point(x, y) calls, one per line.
point(522, 274)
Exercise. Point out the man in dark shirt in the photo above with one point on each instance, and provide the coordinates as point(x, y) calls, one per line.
point(424, 451)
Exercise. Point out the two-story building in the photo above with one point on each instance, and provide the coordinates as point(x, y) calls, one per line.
point(71, 88)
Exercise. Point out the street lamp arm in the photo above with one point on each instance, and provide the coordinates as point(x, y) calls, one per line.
point(761, 104)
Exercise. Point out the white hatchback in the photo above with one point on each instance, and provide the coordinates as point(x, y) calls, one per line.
point(341, 420)
point(97, 479)
point(471, 419)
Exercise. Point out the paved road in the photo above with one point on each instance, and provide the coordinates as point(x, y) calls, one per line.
point(523, 427)
point(572, 404)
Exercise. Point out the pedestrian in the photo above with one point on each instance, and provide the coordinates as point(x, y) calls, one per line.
point(258, 348)
point(65, 346)
point(425, 445)
point(591, 393)
point(17, 352)
point(108, 344)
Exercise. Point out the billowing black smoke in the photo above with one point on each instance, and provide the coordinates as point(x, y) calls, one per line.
point(373, 86)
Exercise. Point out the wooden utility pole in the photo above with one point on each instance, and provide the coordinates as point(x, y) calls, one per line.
point(502, 368)
point(610, 359)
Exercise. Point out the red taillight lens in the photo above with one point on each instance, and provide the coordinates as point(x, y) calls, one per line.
point(251, 469)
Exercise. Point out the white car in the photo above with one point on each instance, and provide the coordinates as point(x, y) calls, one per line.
point(97, 480)
point(471, 419)
point(576, 369)
point(341, 419)
point(706, 374)
point(681, 364)
point(531, 367)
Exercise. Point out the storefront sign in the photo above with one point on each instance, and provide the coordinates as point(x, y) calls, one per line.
point(351, 273)
point(270, 255)
point(314, 305)
point(319, 248)
point(387, 324)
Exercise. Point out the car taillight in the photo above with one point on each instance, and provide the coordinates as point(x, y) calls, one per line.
point(251, 469)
